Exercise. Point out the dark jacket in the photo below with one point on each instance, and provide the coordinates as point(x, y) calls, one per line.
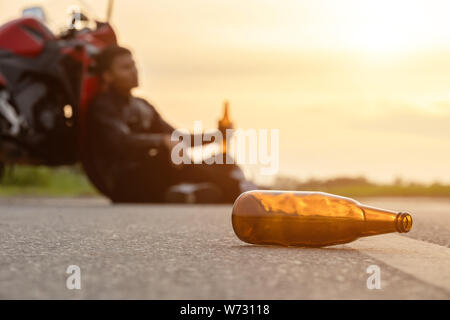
point(121, 131)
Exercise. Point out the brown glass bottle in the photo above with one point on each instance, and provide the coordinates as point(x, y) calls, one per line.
point(309, 219)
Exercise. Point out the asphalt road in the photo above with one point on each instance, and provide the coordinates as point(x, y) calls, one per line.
point(191, 252)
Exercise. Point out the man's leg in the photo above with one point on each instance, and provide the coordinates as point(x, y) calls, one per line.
point(143, 181)
point(149, 179)
point(229, 178)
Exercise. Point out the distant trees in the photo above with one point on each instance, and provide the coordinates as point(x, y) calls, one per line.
point(283, 182)
point(361, 187)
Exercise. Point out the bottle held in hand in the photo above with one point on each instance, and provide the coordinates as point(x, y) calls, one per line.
point(224, 124)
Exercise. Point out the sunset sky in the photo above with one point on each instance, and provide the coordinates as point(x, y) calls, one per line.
point(355, 87)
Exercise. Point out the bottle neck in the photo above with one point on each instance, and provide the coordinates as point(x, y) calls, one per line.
point(379, 221)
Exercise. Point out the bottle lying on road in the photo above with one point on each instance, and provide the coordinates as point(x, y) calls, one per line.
point(309, 219)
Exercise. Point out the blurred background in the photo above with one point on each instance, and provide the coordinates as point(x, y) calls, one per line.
point(360, 90)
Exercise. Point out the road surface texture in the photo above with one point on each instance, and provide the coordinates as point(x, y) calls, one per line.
point(191, 252)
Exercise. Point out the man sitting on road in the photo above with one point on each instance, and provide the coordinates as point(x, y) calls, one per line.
point(130, 145)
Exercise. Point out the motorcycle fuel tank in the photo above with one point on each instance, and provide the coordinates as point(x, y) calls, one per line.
point(24, 36)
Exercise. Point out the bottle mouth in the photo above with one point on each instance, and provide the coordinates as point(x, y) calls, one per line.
point(403, 222)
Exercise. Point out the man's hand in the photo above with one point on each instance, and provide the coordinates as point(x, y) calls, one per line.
point(169, 144)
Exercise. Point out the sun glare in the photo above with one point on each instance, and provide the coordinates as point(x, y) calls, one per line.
point(388, 26)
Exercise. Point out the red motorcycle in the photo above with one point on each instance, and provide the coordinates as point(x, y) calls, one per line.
point(46, 84)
